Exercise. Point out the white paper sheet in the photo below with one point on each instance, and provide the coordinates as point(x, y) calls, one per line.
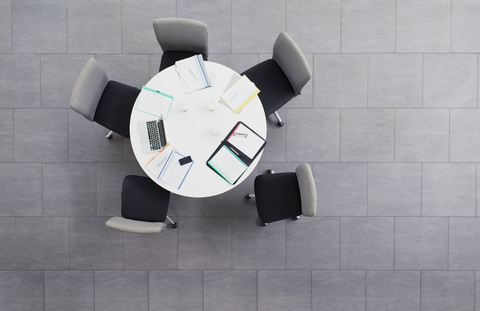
point(228, 164)
point(250, 144)
point(154, 102)
point(173, 173)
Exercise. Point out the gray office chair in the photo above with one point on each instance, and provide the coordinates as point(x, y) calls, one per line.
point(282, 77)
point(180, 38)
point(285, 195)
point(144, 207)
point(104, 101)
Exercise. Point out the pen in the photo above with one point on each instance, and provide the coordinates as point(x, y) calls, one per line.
point(235, 152)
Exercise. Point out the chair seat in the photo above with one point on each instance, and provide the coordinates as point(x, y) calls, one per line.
point(115, 107)
point(277, 196)
point(144, 200)
point(275, 89)
point(170, 57)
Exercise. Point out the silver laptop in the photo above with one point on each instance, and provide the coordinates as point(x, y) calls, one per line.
point(152, 135)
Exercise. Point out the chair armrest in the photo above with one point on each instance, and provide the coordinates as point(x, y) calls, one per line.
point(134, 226)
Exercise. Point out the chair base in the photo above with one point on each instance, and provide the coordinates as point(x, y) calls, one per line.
point(109, 135)
point(174, 224)
point(280, 122)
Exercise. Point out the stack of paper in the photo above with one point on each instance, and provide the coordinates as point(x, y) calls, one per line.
point(166, 167)
point(240, 93)
point(192, 73)
point(154, 102)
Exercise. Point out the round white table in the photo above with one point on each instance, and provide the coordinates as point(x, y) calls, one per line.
point(191, 132)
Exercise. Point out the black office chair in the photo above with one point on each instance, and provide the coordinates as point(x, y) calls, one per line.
point(180, 38)
point(107, 102)
point(282, 77)
point(285, 195)
point(144, 207)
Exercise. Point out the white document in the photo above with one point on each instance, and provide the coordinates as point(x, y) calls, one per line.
point(192, 74)
point(157, 163)
point(154, 102)
point(227, 164)
point(173, 173)
point(246, 141)
point(240, 94)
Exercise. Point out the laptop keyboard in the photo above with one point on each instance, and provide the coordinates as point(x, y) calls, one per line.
point(156, 135)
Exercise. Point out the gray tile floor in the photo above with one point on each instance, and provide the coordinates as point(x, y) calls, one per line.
point(389, 124)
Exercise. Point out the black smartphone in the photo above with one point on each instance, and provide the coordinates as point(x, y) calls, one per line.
point(185, 160)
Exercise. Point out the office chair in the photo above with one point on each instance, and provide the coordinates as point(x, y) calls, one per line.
point(180, 38)
point(282, 77)
point(285, 195)
point(144, 207)
point(107, 102)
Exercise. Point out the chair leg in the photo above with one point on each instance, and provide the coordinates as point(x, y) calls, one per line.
point(270, 171)
point(249, 196)
point(109, 135)
point(280, 122)
point(296, 218)
point(174, 224)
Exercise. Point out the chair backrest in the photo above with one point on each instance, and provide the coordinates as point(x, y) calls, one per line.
point(88, 89)
point(308, 193)
point(181, 34)
point(290, 58)
point(134, 226)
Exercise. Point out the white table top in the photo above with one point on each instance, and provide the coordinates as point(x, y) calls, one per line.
point(191, 132)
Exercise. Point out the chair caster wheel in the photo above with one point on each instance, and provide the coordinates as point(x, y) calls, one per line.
point(296, 218)
point(264, 224)
point(281, 123)
point(174, 225)
point(247, 197)
point(270, 171)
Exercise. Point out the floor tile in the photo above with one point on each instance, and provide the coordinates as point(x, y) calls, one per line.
point(447, 290)
point(429, 251)
point(464, 137)
point(230, 290)
point(183, 206)
point(368, 26)
point(6, 26)
point(42, 243)
point(109, 179)
point(395, 80)
point(59, 73)
point(130, 69)
point(176, 289)
point(237, 62)
point(448, 189)
point(422, 135)
point(275, 150)
point(257, 247)
point(138, 35)
point(204, 243)
point(313, 135)
point(366, 243)
point(393, 290)
point(219, 24)
point(338, 290)
point(465, 26)
point(341, 189)
point(321, 18)
point(367, 135)
point(340, 80)
point(151, 251)
point(87, 142)
point(450, 80)
point(394, 189)
point(246, 22)
point(20, 72)
point(7, 243)
point(95, 27)
point(232, 202)
point(69, 189)
point(463, 243)
point(45, 131)
point(69, 290)
point(284, 290)
point(6, 135)
point(121, 290)
point(47, 33)
point(155, 63)
point(423, 26)
point(93, 245)
point(21, 189)
point(22, 290)
point(313, 243)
